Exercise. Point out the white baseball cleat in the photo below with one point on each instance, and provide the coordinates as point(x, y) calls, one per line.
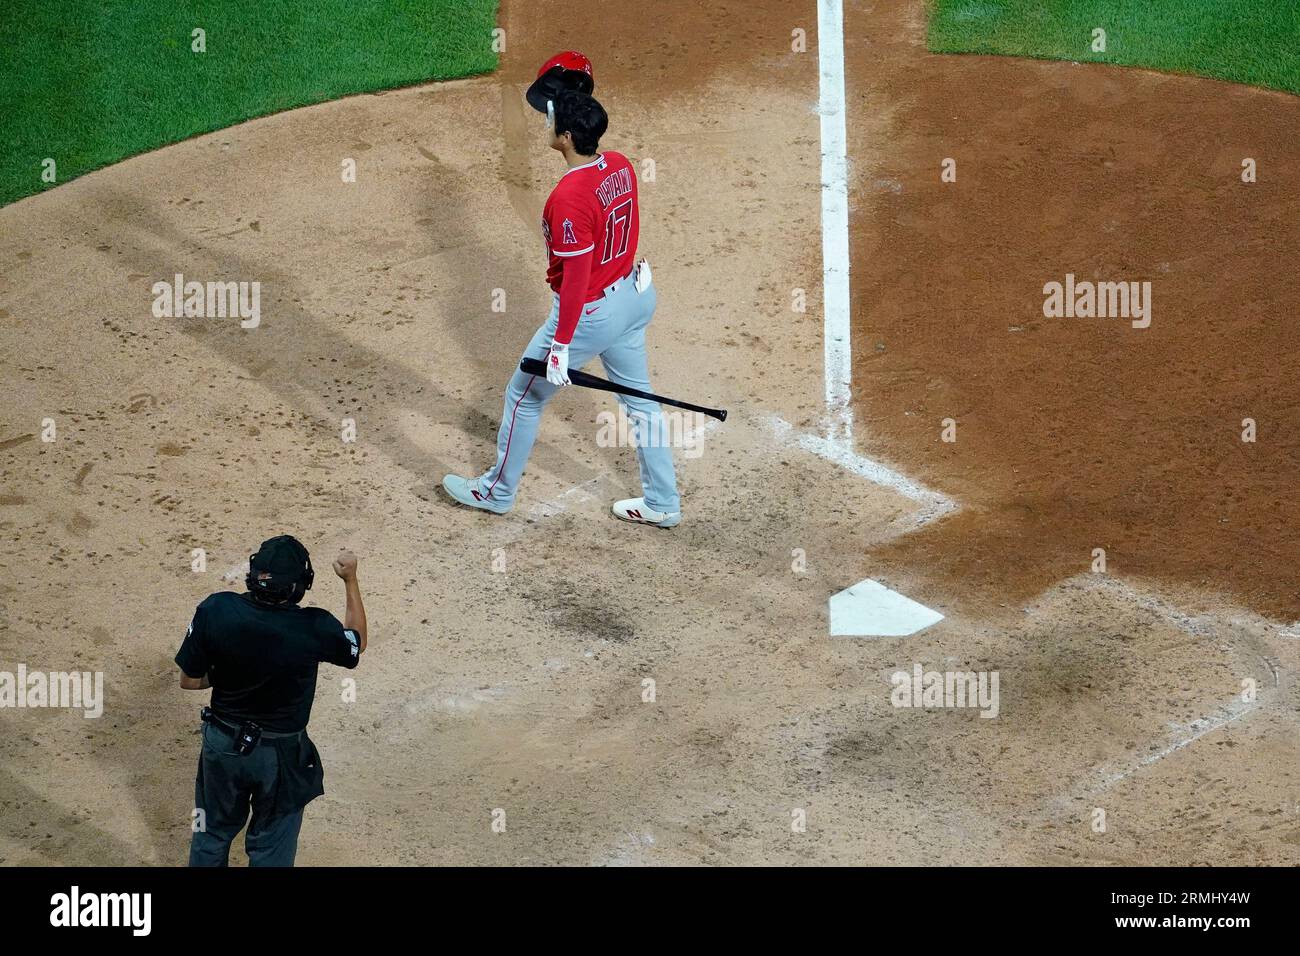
point(635, 510)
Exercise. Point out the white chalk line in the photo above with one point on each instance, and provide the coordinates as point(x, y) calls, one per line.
point(1184, 735)
point(1198, 625)
point(1232, 711)
point(700, 431)
point(838, 356)
point(578, 494)
point(934, 504)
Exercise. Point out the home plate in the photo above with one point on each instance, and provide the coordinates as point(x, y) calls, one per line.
point(869, 609)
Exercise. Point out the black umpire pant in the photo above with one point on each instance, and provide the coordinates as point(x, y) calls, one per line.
point(227, 786)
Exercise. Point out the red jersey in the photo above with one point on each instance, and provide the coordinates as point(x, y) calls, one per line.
point(592, 211)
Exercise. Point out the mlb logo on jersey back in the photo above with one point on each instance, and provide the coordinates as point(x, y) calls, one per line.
point(601, 163)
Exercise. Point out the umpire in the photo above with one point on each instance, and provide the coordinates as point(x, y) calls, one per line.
point(259, 652)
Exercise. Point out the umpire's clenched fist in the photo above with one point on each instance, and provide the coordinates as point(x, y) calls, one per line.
point(345, 565)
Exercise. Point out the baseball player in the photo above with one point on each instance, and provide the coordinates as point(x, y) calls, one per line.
point(603, 301)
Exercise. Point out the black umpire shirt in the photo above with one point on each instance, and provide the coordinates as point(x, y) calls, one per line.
point(261, 659)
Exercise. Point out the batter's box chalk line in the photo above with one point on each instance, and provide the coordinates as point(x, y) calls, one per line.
point(934, 504)
point(1204, 625)
point(1099, 780)
point(566, 499)
point(1178, 736)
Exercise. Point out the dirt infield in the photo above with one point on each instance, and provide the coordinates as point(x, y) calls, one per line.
point(1078, 433)
point(522, 689)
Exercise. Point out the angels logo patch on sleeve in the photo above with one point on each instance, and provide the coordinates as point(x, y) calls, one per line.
point(568, 238)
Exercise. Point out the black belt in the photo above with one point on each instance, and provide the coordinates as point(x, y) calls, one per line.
point(234, 729)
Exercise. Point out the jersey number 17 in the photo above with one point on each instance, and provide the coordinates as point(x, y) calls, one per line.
point(620, 220)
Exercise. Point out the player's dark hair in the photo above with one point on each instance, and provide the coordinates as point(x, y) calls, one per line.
point(579, 115)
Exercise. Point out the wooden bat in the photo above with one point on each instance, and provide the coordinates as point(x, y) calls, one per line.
point(534, 366)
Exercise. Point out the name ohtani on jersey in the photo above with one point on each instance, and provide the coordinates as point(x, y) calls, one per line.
point(616, 184)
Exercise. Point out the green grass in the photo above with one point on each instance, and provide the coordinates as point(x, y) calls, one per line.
point(1245, 41)
point(91, 82)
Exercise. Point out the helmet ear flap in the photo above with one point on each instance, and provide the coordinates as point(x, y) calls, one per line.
point(304, 582)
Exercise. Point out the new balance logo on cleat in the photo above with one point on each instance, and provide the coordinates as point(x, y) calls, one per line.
point(636, 510)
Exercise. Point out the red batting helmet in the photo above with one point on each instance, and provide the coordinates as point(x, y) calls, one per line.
point(569, 70)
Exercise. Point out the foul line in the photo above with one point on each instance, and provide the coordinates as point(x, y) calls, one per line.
point(835, 220)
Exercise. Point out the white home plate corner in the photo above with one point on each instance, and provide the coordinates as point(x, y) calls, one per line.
point(869, 609)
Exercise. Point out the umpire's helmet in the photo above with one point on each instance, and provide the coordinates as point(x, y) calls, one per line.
point(281, 570)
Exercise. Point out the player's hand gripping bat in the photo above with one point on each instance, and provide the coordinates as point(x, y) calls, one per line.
point(533, 366)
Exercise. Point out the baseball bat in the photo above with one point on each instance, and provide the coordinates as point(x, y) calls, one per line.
point(532, 366)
